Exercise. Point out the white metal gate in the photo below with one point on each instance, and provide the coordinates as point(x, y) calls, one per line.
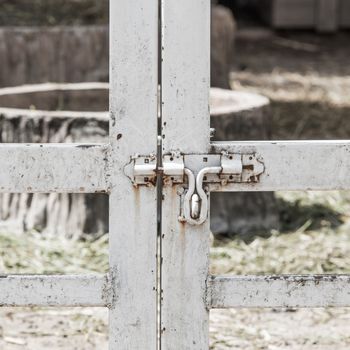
point(159, 292)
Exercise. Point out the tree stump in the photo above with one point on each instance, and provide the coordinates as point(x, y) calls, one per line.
point(223, 35)
point(33, 55)
point(36, 54)
point(241, 116)
point(55, 113)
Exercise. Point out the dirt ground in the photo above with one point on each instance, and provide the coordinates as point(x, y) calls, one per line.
point(86, 329)
point(307, 78)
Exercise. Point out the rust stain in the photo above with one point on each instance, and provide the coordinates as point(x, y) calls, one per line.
point(85, 146)
point(248, 167)
point(302, 279)
point(182, 226)
point(136, 191)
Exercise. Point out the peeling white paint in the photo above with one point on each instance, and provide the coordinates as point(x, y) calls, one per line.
point(70, 168)
point(185, 127)
point(294, 165)
point(49, 290)
point(279, 291)
point(133, 211)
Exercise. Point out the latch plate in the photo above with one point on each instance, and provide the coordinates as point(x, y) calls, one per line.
point(236, 168)
point(173, 169)
point(232, 167)
point(145, 170)
point(252, 168)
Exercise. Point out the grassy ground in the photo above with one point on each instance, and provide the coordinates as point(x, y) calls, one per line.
point(307, 78)
point(313, 239)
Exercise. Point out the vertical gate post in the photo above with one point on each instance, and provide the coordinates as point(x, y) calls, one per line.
point(133, 130)
point(185, 128)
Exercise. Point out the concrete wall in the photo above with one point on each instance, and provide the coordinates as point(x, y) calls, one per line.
point(59, 54)
point(322, 15)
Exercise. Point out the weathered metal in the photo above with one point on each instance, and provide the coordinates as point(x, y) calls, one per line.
point(185, 122)
point(228, 168)
point(62, 291)
point(133, 210)
point(293, 165)
point(74, 168)
point(287, 291)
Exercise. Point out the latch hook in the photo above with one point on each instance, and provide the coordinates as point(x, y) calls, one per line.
point(191, 205)
point(196, 204)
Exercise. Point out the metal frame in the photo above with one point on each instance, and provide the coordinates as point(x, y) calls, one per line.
point(188, 291)
point(159, 291)
point(129, 290)
point(185, 128)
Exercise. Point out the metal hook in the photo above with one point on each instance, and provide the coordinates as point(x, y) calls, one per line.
point(196, 204)
point(202, 195)
point(189, 215)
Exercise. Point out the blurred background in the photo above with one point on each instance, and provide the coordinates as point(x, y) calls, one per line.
point(280, 70)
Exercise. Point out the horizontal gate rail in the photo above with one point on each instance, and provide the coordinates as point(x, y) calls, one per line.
point(284, 291)
point(293, 165)
point(50, 290)
point(72, 168)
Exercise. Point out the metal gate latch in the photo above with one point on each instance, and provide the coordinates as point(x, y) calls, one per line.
point(144, 170)
point(224, 169)
point(232, 168)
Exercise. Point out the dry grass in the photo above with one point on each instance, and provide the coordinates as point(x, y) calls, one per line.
point(314, 239)
point(34, 253)
point(321, 244)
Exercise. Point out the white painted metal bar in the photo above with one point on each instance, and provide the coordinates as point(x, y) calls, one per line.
point(133, 210)
point(294, 165)
point(74, 168)
point(279, 291)
point(46, 290)
point(185, 128)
